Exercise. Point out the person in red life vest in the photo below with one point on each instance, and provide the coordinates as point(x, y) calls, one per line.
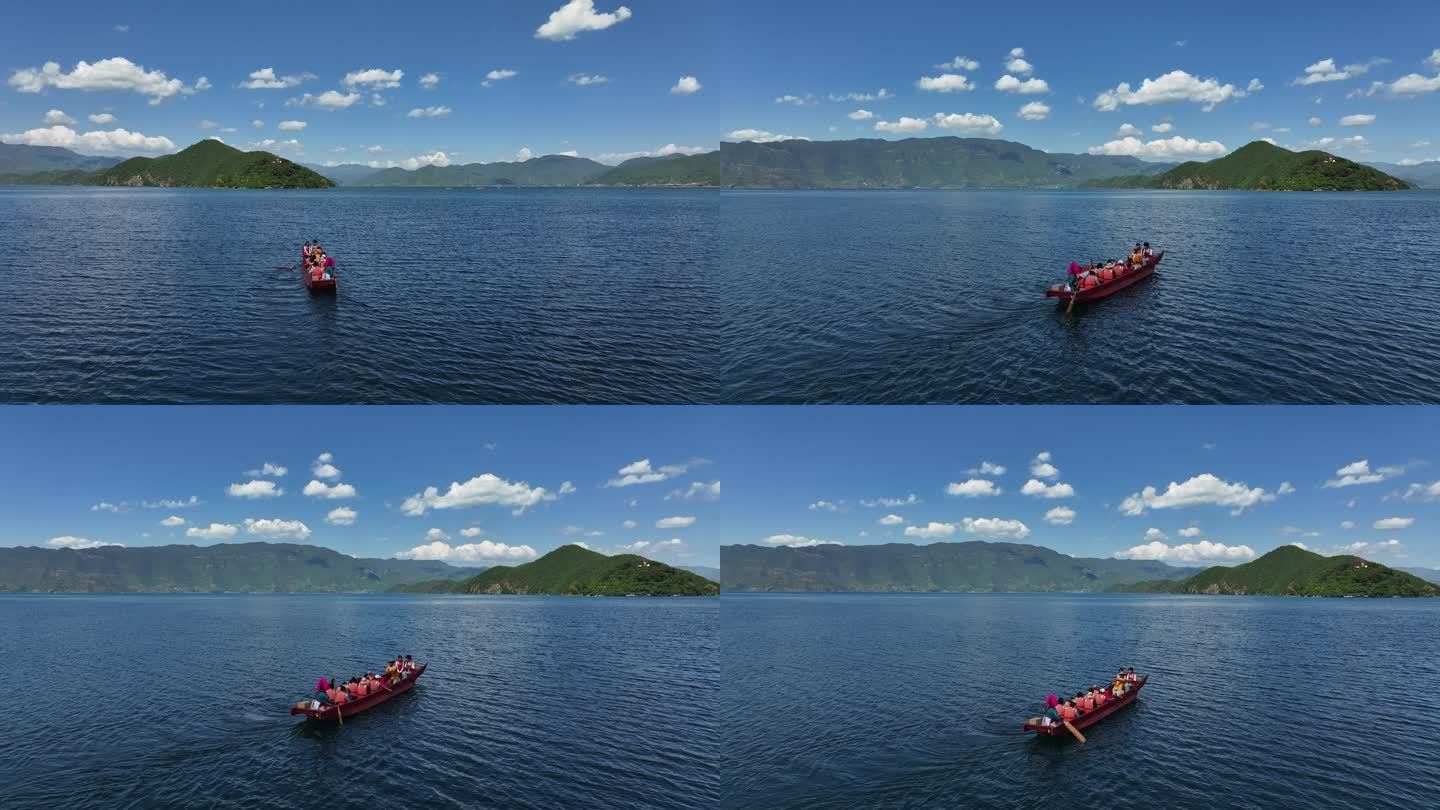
point(409, 663)
point(337, 694)
point(1067, 711)
point(1098, 695)
point(1086, 703)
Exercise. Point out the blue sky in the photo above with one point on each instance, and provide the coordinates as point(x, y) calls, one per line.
point(597, 82)
point(798, 475)
point(1190, 485)
point(802, 62)
point(121, 474)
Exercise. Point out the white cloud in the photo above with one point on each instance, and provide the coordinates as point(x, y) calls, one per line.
point(996, 528)
point(1387, 524)
point(797, 541)
point(1163, 127)
point(173, 520)
point(975, 487)
point(1202, 490)
point(318, 489)
point(115, 141)
point(114, 74)
point(436, 534)
point(330, 100)
point(471, 531)
point(341, 516)
point(483, 551)
point(891, 520)
point(677, 522)
point(629, 524)
point(1155, 534)
point(1035, 111)
point(798, 101)
point(101, 118)
point(428, 112)
point(986, 468)
point(482, 490)
point(686, 85)
point(1041, 467)
point(945, 83)
point(1060, 516)
point(698, 491)
point(1190, 531)
point(1359, 472)
point(523, 154)
point(432, 159)
point(1015, 62)
point(215, 531)
point(1315, 122)
point(1347, 524)
point(1128, 129)
point(373, 78)
point(584, 80)
point(1203, 551)
point(1175, 86)
point(969, 123)
point(1326, 71)
point(861, 115)
point(882, 95)
point(1285, 488)
point(500, 74)
point(429, 81)
point(106, 506)
point(1412, 84)
point(272, 145)
point(1172, 147)
point(651, 547)
point(1254, 86)
point(291, 126)
point(1357, 120)
point(265, 79)
point(577, 16)
point(829, 506)
point(909, 500)
point(323, 468)
point(904, 125)
point(1037, 488)
point(257, 123)
point(58, 117)
point(1422, 492)
point(761, 136)
point(69, 541)
point(172, 503)
point(566, 488)
point(268, 468)
point(276, 529)
point(1391, 546)
point(931, 530)
point(959, 63)
point(254, 489)
point(1010, 84)
point(641, 472)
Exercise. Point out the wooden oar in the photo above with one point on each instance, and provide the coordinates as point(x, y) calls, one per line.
point(1074, 293)
point(1075, 731)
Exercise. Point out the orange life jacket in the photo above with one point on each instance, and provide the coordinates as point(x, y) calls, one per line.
point(1066, 712)
point(1088, 283)
point(1087, 703)
point(1100, 698)
point(1107, 274)
point(335, 694)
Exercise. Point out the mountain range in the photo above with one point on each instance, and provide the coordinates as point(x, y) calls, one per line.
point(21, 159)
point(575, 571)
point(1263, 166)
point(1294, 571)
point(1421, 175)
point(227, 567)
point(547, 170)
point(975, 566)
point(207, 164)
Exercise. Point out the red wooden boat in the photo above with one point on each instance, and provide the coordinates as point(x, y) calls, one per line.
point(1089, 718)
point(1110, 287)
point(356, 706)
point(317, 283)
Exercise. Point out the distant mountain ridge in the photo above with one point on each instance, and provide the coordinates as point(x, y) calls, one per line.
point(670, 170)
point(19, 159)
point(233, 567)
point(1425, 174)
point(207, 164)
point(1293, 571)
point(974, 566)
point(548, 170)
point(574, 571)
point(944, 162)
point(1263, 166)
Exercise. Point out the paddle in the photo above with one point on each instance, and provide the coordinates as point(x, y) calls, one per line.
point(1074, 293)
point(1075, 731)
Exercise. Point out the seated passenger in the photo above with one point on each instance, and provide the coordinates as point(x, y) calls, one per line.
point(1147, 252)
point(409, 663)
point(1066, 711)
point(1099, 695)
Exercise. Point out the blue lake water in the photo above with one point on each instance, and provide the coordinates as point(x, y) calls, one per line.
point(173, 295)
point(528, 702)
point(894, 296)
point(841, 701)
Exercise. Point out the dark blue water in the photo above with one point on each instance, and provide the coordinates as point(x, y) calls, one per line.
point(529, 702)
point(917, 700)
point(885, 297)
point(172, 295)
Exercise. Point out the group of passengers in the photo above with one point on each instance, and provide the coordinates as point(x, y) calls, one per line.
point(1097, 273)
point(314, 261)
point(334, 692)
point(1059, 711)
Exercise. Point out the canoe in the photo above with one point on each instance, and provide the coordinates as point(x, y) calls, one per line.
point(1089, 718)
point(357, 706)
point(1110, 287)
point(323, 285)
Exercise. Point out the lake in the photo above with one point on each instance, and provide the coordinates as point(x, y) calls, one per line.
point(877, 700)
point(496, 296)
point(530, 702)
point(913, 297)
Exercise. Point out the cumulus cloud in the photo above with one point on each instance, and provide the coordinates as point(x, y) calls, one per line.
point(975, 487)
point(483, 551)
point(173, 520)
point(697, 491)
point(653, 547)
point(413, 163)
point(172, 503)
point(428, 112)
point(1156, 534)
point(276, 529)
point(1175, 86)
point(931, 530)
point(641, 472)
point(1422, 492)
point(1010, 84)
point(945, 83)
point(471, 531)
point(1128, 129)
point(1357, 120)
point(986, 468)
point(254, 489)
point(1387, 524)
point(761, 136)
point(1039, 489)
point(1203, 551)
point(319, 489)
point(1205, 489)
point(330, 100)
point(1060, 516)
point(1163, 128)
point(1035, 111)
point(499, 74)
point(1392, 546)
point(829, 506)
point(578, 16)
point(1359, 472)
point(291, 126)
point(904, 126)
point(629, 524)
point(1041, 466)
point(1190, 531)
point(996, 528)
point(1160, 148)
point(881, 95)
point(959, 63)
point(373, 78)
point(798, 541)
point(1285, 488)
point(115, 74)
point(58, 117)
point(686, 85)
point(101, 118)
point(482, 490)
point(1015, 61)
point(891, 520)
point(341, 516)
point(115, 141)
point(861, 115)
point(584, 80)
point(677, 522)
point(1409, 85)
point(215, 531)
point(969, 123)
point(266, 469)
point(69, 541)
point(106, 506)
point(429, 81)
point(891, 503)
point(265, 79)
point(1326, 71)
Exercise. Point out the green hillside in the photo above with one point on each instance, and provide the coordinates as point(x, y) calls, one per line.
point(575, 571)
point(1262, 166)
point(945, 162)
point(550, 170)
point(671, 170)
point(232, 567)
point(1293, 571)
point(939, 567)
point(211, 164)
